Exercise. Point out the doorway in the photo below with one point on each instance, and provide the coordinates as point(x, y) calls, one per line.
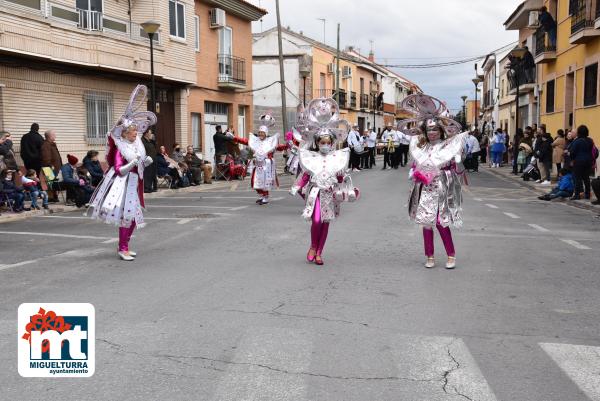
point(241, 128)
point(569, 100)
point(214, 114)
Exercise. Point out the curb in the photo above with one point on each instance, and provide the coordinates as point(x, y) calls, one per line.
point(580, 204)
point(7, 218)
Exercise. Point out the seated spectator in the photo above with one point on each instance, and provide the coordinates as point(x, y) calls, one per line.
point(167, 167)
point(91, 163)
point(177, 155)
point(186, 176)
point(77, 189)
point(10, 192)
point(6, 151)
point(31, 184)
point(564, 189)
point(198, 166)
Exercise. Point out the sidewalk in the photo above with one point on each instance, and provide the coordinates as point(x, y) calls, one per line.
point(8, 216)
point(506, 173)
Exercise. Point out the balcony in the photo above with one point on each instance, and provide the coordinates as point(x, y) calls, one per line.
point(232, 72)
point(525, 77)
point(544, 51)
point(582, 23)
point(520, 18)
point(352, 100)
point(364, 101)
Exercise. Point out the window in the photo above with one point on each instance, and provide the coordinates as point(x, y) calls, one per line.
point(196, 138)
point(590, 88)
point(98, 106)
point(550, 96)
point(197, 33)
point(177, 19)
point(225, 41)
point(28, 3)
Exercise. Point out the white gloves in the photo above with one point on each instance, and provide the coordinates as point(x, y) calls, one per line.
point(147, 161)
point(124, 170)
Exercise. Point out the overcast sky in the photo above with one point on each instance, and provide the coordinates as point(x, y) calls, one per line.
point(407, 32)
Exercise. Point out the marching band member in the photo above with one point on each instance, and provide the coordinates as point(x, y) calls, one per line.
point(435, 197)
point(264, 173)
point(119, 199)
point(325, 182)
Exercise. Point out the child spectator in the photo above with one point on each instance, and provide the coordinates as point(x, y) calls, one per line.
point(31, 184)
point(91, 163)
point(564, 189)
point(10, 191)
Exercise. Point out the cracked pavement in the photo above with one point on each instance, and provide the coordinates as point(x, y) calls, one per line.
point(228, 309)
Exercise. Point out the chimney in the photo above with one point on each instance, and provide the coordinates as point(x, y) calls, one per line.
point(371, 56)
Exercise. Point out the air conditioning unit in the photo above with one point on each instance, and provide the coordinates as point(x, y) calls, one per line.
point(331, 68)
point(533, 19)
point(217, 18)
point(347, 71)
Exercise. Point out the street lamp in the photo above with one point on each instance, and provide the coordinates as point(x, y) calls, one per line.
point(151, 27)
point(304, 73)
point(464, 116)
point(516, 56)
point(476, 81)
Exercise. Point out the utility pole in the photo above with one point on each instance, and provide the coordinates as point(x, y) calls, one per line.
point(281, 72)
point(324, 21)
point(337, 67)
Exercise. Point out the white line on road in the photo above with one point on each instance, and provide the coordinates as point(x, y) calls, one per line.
point(184, 221)
point(43, 262)
point(512, 215)
point(23, 263)
point(145, 218)
point(239, 208)
point(110, 241)
point(478, 199)
point(491, 206)
point(539, 228)
point(575, 244)
point(53, 235)
point(191, 206)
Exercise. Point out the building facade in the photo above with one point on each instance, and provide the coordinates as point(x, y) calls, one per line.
point(70, 65)
point(223, 54)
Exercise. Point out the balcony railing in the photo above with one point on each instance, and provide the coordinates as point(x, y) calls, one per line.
point(364, 101)
point(232, 70)
point(579, 17)
point(542, 45)
point(353, 100)
point(343, 101)
point(89, 20)
point(597, 9)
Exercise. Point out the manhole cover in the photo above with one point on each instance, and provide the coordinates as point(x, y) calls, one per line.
point(197, 216)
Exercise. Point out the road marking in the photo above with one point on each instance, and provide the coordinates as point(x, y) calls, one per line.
point(491, 206)
point(421, 358)
point(512, 215)
point(184, 221)
point(23, 263)
point(43, 262)
point(234, 186)
point(145, 218)
point(190, 206)
point(53, 235)
point(539, 228)
point(478, 199)
point(239, 208)
point(256, 372)
point(110, 241)
point(575, 244)
point(580, 362)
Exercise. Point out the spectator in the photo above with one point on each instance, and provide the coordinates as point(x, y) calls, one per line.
point(356, 145)
point(364, 157)
point(31, 148)
point(198, 166)
point(563, 189)
point(92, 165)
point(549, 24)
point(31, 184)
point(186, 176)
point(388, 138)
point(473, 150)
point(515, 147)
point(595, 183)
point(11, 192)
point(167, 167)
point(75, 185)
point(150, 172)
point(571, 136)
point(6, 151)
point(529, 66)
point(558, 150)
point(177, 155)
point(484, 142)
point(372, 145)
point(580, 153)
point(498, 147)
point(543, 153)
point(50, 154)
point(220, 139)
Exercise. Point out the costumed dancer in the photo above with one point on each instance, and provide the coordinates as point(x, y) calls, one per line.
point(295, 141)
point(325, 183)
point(264, 173)
point(436, 147)
point(119, 198)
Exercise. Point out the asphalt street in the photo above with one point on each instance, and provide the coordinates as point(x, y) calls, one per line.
point(221, 304)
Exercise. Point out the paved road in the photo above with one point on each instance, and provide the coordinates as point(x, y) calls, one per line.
point(220, 304)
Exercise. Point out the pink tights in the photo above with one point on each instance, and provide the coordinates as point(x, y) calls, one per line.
point(124, 237)
point(318, 230)
point(446, 239)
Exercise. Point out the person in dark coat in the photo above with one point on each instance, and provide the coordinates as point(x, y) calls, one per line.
point(580, 152)
point(31, 148)
point(549, 24)
point(6, 151)
point(50, 154)
point(92, 165)
point(544, 156)
point(10, 190)
point(151, 171)
point(221, 139)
